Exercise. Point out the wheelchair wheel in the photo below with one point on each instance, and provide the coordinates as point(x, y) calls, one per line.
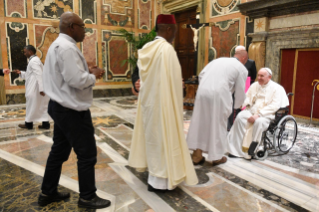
point(261, 154)
point(285, 135)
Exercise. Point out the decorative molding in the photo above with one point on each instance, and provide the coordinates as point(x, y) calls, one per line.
point(295, 38)
point(273, 8)
point(172, 6)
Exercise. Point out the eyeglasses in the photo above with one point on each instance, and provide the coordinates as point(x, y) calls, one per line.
point(82, 26)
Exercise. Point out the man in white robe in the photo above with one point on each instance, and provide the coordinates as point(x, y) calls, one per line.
point(36, 100)
point(213, 105)
point(158, 141)
point(263, 99)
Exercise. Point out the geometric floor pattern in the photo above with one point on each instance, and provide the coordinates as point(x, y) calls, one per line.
point(280, 183)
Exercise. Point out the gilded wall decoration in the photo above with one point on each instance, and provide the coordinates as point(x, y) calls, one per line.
point(225, 37)
point(115, 49)
point(15, 8)
point(89, 47)
point(51, 9)
point(44, 37)
point(17, 38)
point(118, 13)
point(144, 14)
point(223, 7)
point(88, 11)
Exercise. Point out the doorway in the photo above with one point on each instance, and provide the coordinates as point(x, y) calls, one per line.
point(184, 44)
point(299, 73)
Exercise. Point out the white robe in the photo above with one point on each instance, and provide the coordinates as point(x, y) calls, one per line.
point(158, 141)
point(263, 101)
point(36, 105)
point(213, 105)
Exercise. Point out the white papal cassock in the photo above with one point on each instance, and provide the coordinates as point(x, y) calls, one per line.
point(158, 139)
point(213, 105)
point(36, 105)
point(264, 101)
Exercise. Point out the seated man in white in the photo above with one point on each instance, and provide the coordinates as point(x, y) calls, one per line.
point(263, 99)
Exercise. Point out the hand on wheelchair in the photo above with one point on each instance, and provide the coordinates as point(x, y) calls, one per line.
point(253, 118)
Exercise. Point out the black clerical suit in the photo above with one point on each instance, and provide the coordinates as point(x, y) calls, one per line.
point(1, 72)
point(135, 77)
point(252, 72)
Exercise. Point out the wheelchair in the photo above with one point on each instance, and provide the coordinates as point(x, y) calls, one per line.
point(280, 136)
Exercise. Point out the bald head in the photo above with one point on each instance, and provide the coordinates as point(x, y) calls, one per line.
point(240, 48)
point(242, 56)
point(72, 25)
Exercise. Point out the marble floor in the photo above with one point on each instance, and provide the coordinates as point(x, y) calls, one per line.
point(287, 182)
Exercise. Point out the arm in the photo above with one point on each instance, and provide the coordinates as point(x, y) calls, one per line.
point(37, 71)
point(240, 84)
point(272, 108)
point(73, 71)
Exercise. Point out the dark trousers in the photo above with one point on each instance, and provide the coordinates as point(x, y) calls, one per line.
point(232, 117)
point(72, 129)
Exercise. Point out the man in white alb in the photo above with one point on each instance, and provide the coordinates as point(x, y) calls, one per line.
point(36, 100)
point(263, 99)
point(213, 105)
point(158, 140)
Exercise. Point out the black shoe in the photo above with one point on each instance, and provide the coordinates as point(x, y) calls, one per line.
point(152, 189)
point(41, 127)
point(47, 199)
point(95, 203)
point(201, 162)
point(232, 156)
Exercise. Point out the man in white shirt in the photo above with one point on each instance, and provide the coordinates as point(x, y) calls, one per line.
point(69, 83)
point(263, 99)
point(36, 100)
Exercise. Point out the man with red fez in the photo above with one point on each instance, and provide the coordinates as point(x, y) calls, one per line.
point(158, 140)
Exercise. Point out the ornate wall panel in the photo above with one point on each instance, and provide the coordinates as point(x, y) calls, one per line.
point(118, 13)
point(145, 14)
point(51, 9)
point(88, 11)
point(44, 37)
point(224, 7)
point(225, 37)
point(115, 49)
point(90, 47)
point(17, 39)
point(15, 8)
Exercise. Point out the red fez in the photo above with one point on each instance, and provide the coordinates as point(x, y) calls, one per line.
point(165, 19)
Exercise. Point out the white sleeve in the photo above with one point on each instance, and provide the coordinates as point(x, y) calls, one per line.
point(22, 75)
point(240, 84)
point(37, 71)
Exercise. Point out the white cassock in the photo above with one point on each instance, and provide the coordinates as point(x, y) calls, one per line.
point(36, 105)
point(263, 101)
point(213, 105)
point(158, 141)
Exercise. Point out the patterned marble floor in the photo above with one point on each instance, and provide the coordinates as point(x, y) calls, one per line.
point(281, 183)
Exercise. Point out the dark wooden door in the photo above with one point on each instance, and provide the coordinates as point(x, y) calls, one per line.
point(183, 43)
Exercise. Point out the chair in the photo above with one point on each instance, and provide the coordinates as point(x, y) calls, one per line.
point(280, 136)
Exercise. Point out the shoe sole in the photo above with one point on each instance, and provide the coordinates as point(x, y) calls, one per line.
point(94, 207)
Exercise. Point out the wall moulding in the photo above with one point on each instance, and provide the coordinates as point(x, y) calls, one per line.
point(172, 6)
point(290, 39)
point(273, 8)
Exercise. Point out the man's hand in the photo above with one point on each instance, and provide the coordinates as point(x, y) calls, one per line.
point(98, 72)
point(134, 92)
point(138, 85)
point(16, 71)
point(42, 93)
point(6, 71)
point(252, 119)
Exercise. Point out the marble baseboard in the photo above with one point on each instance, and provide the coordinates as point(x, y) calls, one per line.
point(20, 98)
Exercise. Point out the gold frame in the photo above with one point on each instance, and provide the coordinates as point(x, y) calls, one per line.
point(294, 83)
